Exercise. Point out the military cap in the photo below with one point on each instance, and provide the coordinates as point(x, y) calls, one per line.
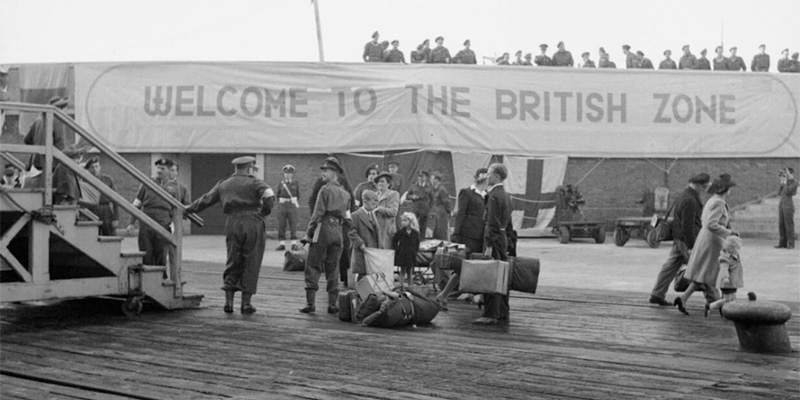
point(666, 52)
point(395, 41)
point(243, 160)
point(426, 41)
point(543, 46)
point(762, 46)
point(92, 161)
point(639, 53)
point(332, 164)
point(59, 102)
point(734, 48)
point(288, 168)
point(500, 170)
point(393, 162)
point(718, 48)
point(466, 42)
point(375, 34)
point(686, 46)
point(383, 174)
point(560, 44)
point(423, 172)
point(370, 168)
point(700, 179)
point(785, 51)
point(585, 54)
point(703, 52)
point(626, 47)
point(439, 38)
point(168, 163)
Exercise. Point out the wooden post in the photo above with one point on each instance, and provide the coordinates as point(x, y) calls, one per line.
point(47, 166)
point(176, 252)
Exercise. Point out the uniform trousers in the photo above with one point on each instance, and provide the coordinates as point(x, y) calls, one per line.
point(422, 218)
point(495, 306)
point(153, 245)
point(106, 214)
point(287, 214)
point(324, 256)
point(245, 238)
point(786, 226)
point(678, 256)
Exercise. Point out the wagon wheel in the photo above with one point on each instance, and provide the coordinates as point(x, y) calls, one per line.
point(600, 235)
point(563, 234)
point(652, 238)
point(621, 236)
point(132, 306)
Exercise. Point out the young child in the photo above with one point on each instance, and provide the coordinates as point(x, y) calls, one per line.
point(730, 273)
point(406, 245)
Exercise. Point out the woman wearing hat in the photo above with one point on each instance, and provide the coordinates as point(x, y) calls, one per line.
point(386, 212)
point(703, 265)
point(371, 173)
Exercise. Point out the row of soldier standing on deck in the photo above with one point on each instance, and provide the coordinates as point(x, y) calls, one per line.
point(376, 51)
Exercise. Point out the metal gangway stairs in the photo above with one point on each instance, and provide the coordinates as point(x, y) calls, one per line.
point(52, 251)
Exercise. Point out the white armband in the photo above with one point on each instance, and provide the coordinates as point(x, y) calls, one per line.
point(268, 193)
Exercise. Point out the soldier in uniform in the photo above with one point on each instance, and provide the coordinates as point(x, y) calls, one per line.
point(688, 60)
point(159, 210)
point(736, 63)
point(631, 62)
point(439, 54)
point(562, 57)
point(173, 186)
point(497, 222)
point(373, 51)
point(644, 62)
point(395, 55)
point(785, 64)
point(247, 201)
point(105, 209)
point(503, 60)
point(542, 59)
point(761, 60)
point(795, 67)
point(605, 61)
point(527, 60)
point(702, 62)
point(331, 213)
point(423, 52)
point(288, 203)
point(720, 61)
point(371, 173)
point(465, 56)
point(398, 180)
point(667, 63)
point(786, 192)
point(587, 63)
point(518, 61)
point(421, 196)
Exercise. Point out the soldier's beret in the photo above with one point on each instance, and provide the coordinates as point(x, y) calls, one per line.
point(332, 163)
point(500, 170)
point(167, 162)
point(718, 48)
point(92, 161)
point(59, 102)
point(370, 168)
point(543, 46)
point(762, 46)
point(585, 54)
point(288, 168)
point(602, 50)
point(785, 51)
point(560, 44)
point(243, 160)
point(383, 174)
point(626, 47)
point(439, 38)
point(701, 178)
point(703, 52)
point(734, 48)
point(795, 55)
point(375, 34)
point(686, 46)
point(395, 41)
point(639, 53)
point(466, 42)
point(667, 52)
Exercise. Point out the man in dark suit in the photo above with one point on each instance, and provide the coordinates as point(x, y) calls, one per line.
point(421, 196)
point(364, 232)
point(469, 225)
point(498, 221)
point(686, 224)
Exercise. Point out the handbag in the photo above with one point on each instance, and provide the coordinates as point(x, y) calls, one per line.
point(662, 226)
point(681, 283)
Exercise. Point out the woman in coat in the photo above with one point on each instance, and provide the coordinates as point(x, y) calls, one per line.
point(703, 265)
point(386, 212)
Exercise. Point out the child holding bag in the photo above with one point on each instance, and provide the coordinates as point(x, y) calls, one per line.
point(730, 273)
point(406, 246)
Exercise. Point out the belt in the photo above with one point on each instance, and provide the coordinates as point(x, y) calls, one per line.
point(332, 220)
point(244, 211)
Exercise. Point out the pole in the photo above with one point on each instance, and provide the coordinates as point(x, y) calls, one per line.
point(319, 30)
point(722, 35)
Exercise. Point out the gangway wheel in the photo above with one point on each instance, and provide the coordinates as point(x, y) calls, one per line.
point(132, 306)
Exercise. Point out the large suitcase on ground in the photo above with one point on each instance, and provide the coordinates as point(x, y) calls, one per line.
point(484, 276)
point(347, 302)
point(524, 274)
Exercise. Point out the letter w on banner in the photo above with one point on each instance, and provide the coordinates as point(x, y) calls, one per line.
point(532, 184)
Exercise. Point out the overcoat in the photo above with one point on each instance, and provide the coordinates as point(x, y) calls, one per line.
point(703, 266)
point(386, 213)
point(365, 232)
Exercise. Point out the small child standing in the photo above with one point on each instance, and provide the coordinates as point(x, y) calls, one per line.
point(406, 245)
point(730, 273)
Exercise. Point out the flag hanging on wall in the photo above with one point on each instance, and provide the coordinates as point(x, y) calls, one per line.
point(532, 184)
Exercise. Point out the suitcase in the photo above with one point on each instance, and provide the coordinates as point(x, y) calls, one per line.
point(484, 276)
point(524, 274)
point(345, 301)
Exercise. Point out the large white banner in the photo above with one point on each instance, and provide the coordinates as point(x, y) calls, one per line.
point(526, 111)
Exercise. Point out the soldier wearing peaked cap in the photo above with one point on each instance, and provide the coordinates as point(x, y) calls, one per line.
point(542, 59)
point(373, 51)
point(736, 63)
point(288, 204)
point(761, 60)
point(246, 201)
point(325, 233)
point(465, 56)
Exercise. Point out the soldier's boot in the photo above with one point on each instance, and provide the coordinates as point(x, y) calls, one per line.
point(310, 296)
point(228, 302)
point(333, 303)
point(247, 308)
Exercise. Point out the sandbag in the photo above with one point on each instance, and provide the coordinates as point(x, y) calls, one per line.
point(392, 313)
point(295, 259)
point(524, 274)
point(484, 276)
point(425, 309)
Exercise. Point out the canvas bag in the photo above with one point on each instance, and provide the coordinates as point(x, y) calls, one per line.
point(295, 259)
point(524, 274)
point(484, 276)
point(379, 261)
point(662, 226)
point(372, 283)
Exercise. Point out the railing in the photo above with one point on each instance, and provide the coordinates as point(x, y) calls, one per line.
point(50, 152)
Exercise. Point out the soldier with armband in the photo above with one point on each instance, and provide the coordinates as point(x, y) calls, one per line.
point(247, 201)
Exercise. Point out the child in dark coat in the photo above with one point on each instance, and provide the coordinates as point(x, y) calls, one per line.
point(406, 245)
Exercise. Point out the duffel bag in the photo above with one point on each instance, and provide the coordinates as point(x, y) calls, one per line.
point(295, 259)
point(392, 313)
point(484, 276)
point(425, 309)
point(524, 274)
point(368, 306)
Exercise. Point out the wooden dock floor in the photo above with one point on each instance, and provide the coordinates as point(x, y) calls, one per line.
point(561, 344)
